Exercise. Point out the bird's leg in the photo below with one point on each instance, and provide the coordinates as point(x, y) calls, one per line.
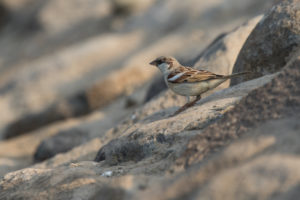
point(187, 105)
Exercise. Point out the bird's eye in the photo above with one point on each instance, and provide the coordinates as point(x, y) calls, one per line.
point(159, 62)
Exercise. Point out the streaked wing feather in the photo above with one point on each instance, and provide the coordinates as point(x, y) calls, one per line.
point(191, 76)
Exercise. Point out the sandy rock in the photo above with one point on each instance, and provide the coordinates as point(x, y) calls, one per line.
point(262, 165)
point(150, 128)
point(278, 99)
point(240, 170)
point(280, 176)
point(221, 54)
point(18, 4)
point(267, 49)
point(59, 16)
point(230, 145)
point(135, 73)
point(33, 88)
point(31, 91)
point(158, 85)
point(167, 16)
point(65, 175)
point(74, 106)
point(19, 151)
point(82, 181)
point(148, 125)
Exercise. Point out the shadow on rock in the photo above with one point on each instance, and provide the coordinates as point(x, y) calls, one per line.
point(60, 143)
point(72, 107)
point(271, 43)
point(123, 150)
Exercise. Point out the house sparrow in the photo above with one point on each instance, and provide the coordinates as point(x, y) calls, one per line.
point(187, 81)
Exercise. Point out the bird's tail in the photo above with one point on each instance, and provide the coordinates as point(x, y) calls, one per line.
point(237, 74)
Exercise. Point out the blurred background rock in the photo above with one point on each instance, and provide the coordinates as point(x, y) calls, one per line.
point(52, 51)
point(76, 87)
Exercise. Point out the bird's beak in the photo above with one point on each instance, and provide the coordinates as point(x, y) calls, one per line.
point(153, 63)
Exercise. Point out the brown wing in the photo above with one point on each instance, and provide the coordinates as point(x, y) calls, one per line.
point(192, 75)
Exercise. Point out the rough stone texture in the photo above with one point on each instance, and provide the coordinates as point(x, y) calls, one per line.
point(4, 16)
point(239, 143)
point(272, 42)
point(85, 183)
point(122, 150)
point(31, 91)
point(150, 129)
point(79, 53)
point(18, 152)
point(263, 164)
point(220, 56)
point(278, 99)
point(135, 73)
point(62, 142)
point(154, 140)
point(72, 107)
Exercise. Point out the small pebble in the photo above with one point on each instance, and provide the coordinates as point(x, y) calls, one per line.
point(107, 174)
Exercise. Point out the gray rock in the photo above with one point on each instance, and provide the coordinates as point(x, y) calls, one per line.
point(72, 107)
point(85, 178)
point(150, 146)
point(122, 150)
point(278, 99)
point(60, 143)
point(109, 193)
point(222, 53)
point(262, 164)
point(4, 16)
point(272, 42)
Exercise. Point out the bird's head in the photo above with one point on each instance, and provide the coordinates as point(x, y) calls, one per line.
point(165, 64)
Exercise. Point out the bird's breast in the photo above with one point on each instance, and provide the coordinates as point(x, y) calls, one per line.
point(194, 89)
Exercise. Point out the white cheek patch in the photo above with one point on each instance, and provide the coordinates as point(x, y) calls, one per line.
point(176, 76)
point(163, 66)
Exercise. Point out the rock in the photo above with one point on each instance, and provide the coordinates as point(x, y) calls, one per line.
point(152, 133)
point(267, 122)
point(123, 8)
point(237, 171)
point(122, 150)
point(219, 57)
point(72, 107)
point(149, 146)
point(4, 16)
point(267, 49)
point(14, 155)
point(109, 193)
point(277, 99)
point(135, 73)
point(60, 143)
point(85, 179)
point(42, 82)
point(55, 18)
point(226, 146)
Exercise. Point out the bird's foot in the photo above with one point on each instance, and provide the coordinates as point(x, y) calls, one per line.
point(186, 106)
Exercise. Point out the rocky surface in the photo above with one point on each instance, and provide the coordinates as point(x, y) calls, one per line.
point(272, 43)
point(267, 153)
point(90, 134)
point(61, 142)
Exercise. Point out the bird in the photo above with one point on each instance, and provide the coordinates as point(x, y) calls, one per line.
point(187, 81)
